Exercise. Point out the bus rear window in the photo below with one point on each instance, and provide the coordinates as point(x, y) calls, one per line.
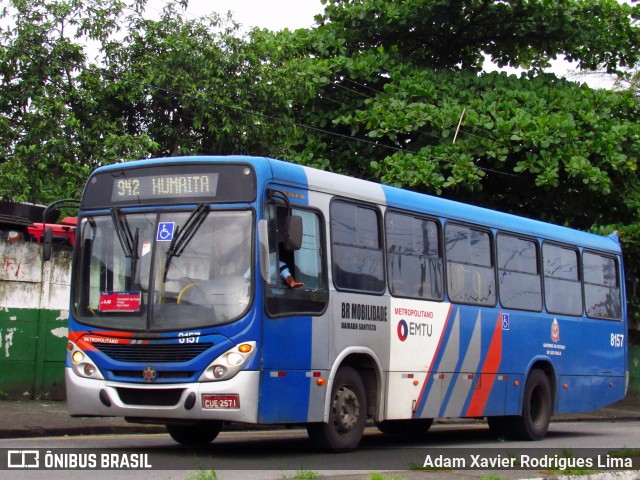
point(601, 286)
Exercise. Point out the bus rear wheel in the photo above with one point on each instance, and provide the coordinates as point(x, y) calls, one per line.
point(347, 414)
point(537, 408)
point(199, 434)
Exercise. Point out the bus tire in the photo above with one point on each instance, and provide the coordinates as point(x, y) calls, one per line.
point(537, 406)
point(410, 427)
point(199, 434)
point(347, 414)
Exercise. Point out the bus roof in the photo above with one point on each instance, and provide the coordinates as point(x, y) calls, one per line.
point(364, 190)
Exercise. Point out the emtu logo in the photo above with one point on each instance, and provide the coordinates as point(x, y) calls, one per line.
point(418, 329)
point(403, 330)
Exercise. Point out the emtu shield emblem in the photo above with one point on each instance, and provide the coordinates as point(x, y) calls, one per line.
point(149, 374)
point(555, 331)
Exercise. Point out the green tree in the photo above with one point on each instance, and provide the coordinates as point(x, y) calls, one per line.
point(399, 77)
point(404, 81)
point(53, 128)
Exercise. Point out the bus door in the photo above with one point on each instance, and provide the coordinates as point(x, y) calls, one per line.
point(295, 331)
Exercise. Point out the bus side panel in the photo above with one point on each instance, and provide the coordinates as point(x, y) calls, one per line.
point(416, 333)
point(464, 370)
point(284, 396)
point(286, 357)
point(577, 393)
point(487, 390)
point(584, 355)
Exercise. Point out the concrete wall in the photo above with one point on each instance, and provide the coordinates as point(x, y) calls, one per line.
point(34, 308)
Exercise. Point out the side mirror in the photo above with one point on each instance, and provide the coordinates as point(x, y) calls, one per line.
point(47, 244)
point(293, 232)
point(51, 215)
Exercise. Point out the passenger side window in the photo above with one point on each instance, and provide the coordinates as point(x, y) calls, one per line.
point(601, 286)
point(356, 244)
point(562, 287)
point(519, 273)
point(414, 258)
point(470, 273)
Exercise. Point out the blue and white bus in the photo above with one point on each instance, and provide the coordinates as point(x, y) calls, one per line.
point(406, 307)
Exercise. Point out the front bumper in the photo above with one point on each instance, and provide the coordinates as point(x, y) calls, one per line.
point(178, 401)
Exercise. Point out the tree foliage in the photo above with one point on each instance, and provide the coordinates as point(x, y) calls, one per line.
point(459, 33)
point(404, 79)
point(54, 128)
point(158, 86)
point(376, 90)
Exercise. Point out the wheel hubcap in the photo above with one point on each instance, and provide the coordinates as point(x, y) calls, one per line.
point(346, 410)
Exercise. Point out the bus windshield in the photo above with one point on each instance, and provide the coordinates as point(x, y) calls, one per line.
point(163, 271)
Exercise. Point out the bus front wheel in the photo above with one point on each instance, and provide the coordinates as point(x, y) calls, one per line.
point(199, 434)
point(347, 414)
point(537, 407)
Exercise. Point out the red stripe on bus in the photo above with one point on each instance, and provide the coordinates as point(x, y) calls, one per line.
point(489, 372)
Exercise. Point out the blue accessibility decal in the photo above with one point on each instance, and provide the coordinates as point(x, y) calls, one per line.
point(165, 231)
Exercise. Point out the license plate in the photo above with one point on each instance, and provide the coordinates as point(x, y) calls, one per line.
point(214, 402)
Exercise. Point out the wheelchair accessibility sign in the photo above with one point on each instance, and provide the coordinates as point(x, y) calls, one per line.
point(165, 231)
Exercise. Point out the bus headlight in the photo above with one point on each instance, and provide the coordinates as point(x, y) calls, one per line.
point(219, 371)
point(81, 364)
point(234, 359)
point(228, 364)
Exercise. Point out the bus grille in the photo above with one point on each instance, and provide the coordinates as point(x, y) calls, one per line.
point(161, 375)
point(154, 353)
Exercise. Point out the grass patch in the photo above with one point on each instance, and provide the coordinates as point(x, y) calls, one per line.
point(202, 475)
point(568, 455)
point(305, 475)
point(625, 453)
point(380, 476)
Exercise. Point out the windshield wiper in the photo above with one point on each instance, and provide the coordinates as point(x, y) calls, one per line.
point(128, 241)
point(182, 237)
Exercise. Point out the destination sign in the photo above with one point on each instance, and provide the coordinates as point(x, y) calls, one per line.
point(175, 186)
point(174, 183)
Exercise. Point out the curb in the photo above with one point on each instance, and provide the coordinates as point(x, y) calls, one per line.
point(22, 432)
point(133, 428)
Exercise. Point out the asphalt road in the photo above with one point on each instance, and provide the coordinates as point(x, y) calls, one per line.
point(287, 453)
